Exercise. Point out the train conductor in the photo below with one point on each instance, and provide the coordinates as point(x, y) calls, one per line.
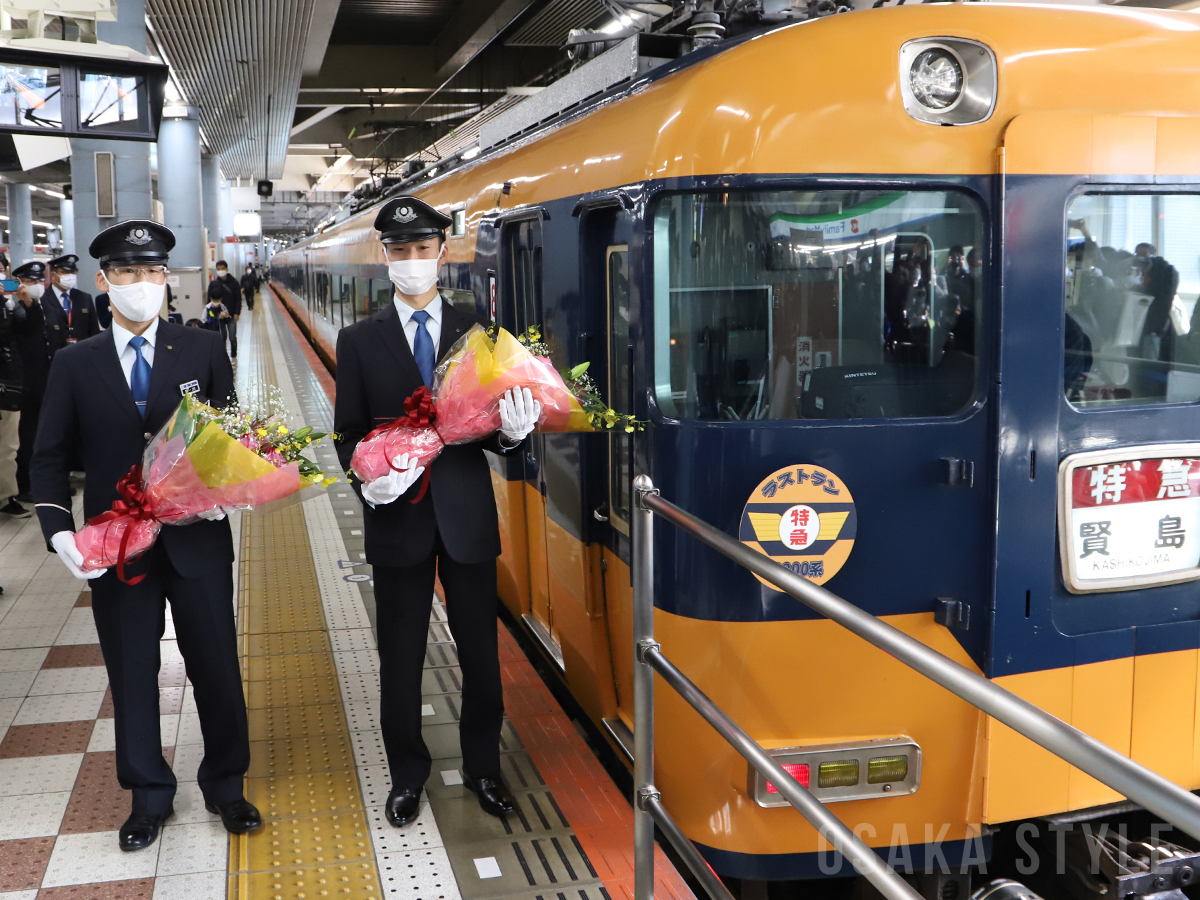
point(69, 312)
point(104, 399)
point(415, 529)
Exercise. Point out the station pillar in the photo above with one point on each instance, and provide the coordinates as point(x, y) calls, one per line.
point(210, 174)
point(132, 183)
point(66, 215)
point(20, 224)
point(179, 186)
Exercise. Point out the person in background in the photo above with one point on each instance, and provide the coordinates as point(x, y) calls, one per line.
point(105, 397)
point(194, 323)
point(249, 286)
point(29, 330)
point(103, 312)
point(10, 412)
point(69, 312)
point(233, 302)
point(215, 316)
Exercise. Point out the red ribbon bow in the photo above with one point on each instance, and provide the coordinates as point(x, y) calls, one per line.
point(419, 407)
point(135, 507)
point(419, 413)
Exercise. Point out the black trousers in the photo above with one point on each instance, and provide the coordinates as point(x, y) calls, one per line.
point(249, 298)
point(403, 599)
point(130, 621)
point(31, 408)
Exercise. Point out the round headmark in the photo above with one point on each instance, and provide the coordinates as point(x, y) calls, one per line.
point(802, 517)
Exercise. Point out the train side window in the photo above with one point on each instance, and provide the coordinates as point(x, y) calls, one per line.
point(620, 396)
point(833, 304)
point(1132, 325)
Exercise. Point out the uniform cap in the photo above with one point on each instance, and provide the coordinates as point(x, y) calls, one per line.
point(69, 261)
point(134, 241)
point(405, 219)
point(33, 269)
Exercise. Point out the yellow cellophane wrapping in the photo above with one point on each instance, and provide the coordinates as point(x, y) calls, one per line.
point(220, 460)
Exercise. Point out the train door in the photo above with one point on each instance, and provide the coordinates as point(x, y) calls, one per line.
point(607, 270)
point(522, 307)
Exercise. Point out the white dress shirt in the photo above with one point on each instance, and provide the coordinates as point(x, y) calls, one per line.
point(127, 354)
point(433, 324)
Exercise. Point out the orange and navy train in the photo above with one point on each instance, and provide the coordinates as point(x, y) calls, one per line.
point(905, 296)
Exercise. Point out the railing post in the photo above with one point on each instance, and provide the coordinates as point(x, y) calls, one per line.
point(643, 687)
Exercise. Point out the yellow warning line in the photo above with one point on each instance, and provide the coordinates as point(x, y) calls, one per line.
point(315, 840)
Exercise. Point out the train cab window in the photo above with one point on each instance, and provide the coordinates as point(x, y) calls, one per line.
point(1132, 327)
point(817, 304)
point(463, 301)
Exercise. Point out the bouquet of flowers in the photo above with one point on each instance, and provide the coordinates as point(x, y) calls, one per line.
point(202, 460)
point(464, 403)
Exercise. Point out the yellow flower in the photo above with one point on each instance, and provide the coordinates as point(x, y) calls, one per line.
point(328, 481)
point(283, 429)
point(308, 440)
point(262, 432)
point(629, 429)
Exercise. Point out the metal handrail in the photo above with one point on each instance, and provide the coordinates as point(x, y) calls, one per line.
point(1172, 803)
point(649, 657)
point(1167, 799)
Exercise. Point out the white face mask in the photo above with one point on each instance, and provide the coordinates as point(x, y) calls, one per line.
point(413, 277)
point(36, 290)
point(68, 281)
point(139, 302)
point(221, 273)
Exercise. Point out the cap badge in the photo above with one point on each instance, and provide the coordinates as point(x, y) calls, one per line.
point(139, 236)
point(404, 215)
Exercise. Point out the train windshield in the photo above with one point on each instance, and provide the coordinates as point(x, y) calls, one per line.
point(817, 304)
point(1132, 327)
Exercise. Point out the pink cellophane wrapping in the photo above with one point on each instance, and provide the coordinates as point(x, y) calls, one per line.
point(101, 544)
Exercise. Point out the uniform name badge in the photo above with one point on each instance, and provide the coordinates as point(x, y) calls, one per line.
point(189, 388)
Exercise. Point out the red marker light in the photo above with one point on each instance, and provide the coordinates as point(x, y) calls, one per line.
point(799, 771)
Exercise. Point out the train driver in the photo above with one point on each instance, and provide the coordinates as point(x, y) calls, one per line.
point(415, 527)
point(105, 397)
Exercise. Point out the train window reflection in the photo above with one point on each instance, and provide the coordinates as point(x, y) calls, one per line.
point(30, 97)
point(1132, 327)
point(816, 304)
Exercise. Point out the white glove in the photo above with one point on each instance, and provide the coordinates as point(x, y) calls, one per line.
point(212, 515)
point(519, 413)
point(392, 485)
point(63, 543)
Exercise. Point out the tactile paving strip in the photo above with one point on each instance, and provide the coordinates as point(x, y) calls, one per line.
point(316, 840)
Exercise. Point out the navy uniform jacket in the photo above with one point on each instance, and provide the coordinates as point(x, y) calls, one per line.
point(29, 334)
point(84, 321)
point(89, 411)
point(376, 373)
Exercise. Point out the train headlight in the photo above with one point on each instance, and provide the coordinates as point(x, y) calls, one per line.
point(948, 81)
point(936, 79)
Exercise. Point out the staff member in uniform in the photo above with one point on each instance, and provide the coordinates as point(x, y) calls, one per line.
point(29, 329)
point(451, 530)
point(70, 313)
point(249, 286)
point(105, 397)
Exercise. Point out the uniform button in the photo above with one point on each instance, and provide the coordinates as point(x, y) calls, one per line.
point(146, 436)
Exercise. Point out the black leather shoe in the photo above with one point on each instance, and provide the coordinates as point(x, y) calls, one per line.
point(402, 806)
point(238, 816)
point(495, 798)
point(141, 829)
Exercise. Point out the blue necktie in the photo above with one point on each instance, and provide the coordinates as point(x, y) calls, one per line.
point(139, 379)
point(66, 303)
point(423, 348)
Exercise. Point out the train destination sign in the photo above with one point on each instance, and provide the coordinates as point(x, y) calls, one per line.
point(801, 516)
point(1130, 518)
